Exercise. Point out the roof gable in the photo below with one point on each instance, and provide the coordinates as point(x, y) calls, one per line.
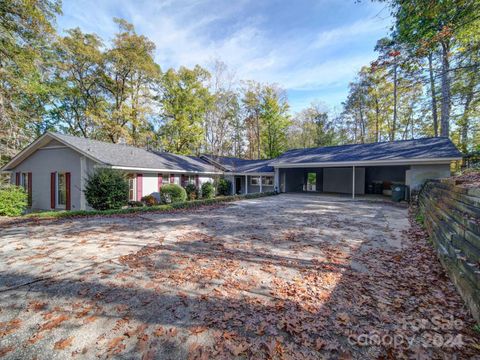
point(117, 155)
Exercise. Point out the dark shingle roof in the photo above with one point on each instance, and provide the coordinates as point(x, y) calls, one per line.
point(236, 165)
point(130, 156)
point(427, 148)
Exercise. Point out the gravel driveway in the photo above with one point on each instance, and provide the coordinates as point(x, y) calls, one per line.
point(288, 276)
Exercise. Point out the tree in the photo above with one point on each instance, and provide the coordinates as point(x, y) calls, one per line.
point(79, 103)
point(432, 24)
point(251, 101)
point(222, 120)
point(274, 121)
point(313, 127)
point(184, 102)
point(129, 77)
point(26, 28)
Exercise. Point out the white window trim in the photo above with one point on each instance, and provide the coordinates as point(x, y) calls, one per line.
point(264, 180)
point(57, 204)
point(134, 178)
point(257, 178)
point(24, 180)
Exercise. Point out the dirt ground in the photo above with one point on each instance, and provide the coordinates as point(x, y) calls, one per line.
point(282, 277)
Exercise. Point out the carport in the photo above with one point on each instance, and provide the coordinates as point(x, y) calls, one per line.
point(354, 180)
point(364, 168)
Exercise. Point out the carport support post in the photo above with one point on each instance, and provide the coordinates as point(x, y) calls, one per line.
point(246, 184)
point(353, 182)
point(261, 183)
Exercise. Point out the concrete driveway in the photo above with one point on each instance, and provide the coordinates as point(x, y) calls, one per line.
point(288, 276)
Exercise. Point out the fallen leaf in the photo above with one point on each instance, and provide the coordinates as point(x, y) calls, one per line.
point(63, 344)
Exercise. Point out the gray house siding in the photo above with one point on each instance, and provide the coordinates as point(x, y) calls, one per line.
point(418, 174)
point(45, 161)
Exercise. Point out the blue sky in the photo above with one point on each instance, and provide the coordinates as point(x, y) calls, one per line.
point(313, 49)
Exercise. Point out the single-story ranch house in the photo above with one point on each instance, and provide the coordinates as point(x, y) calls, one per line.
point(54, 167)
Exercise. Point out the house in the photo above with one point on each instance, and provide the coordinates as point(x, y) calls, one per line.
point(53, 169)
point(247, 176)
point(354, 169)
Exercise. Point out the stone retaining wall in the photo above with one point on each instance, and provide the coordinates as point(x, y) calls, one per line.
point(452, 219)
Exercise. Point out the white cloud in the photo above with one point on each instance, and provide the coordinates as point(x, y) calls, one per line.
point(350, 32)
point(188, 33)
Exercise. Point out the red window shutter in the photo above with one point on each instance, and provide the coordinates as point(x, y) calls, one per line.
point(172, 178)
point(197, 180)
point(29, 189)
point(139, 186)
point(68, 204)
point(17, 179)
point(52, 190)
point(160, 180)
point(182, 181)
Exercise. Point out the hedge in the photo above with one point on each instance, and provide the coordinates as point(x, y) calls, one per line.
point(13, 200)
point(156, 208)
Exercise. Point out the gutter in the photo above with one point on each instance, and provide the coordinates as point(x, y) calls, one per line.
point(129, 168)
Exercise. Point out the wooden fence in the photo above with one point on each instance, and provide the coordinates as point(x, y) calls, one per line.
point(452, 219)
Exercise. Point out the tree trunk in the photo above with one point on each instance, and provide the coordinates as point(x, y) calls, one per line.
point(465, 123)
point(258, 134)
point(394, 124)
point(377, 116)
point(445, 118)
point(433, 94)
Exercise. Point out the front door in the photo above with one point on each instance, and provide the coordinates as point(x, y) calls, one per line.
point(238, 185)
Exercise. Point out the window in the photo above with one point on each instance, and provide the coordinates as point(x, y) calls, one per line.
point(165, 178)
point(189, 179)
point(267, 180)
point(131, 188)
point(24, 181)
point(61, 190)
point(255, 180)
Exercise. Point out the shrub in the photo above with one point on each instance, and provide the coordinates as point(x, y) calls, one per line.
point(208, 190)
point(106, 189)
point(171, 193)
point(135, 204)
point(192, 192)
point(149, 200)
point(224, 187)
point(13, 200)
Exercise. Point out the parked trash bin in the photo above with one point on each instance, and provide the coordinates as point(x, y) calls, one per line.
point(398, 192)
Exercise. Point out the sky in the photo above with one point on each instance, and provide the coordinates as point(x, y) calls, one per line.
point(313, 49)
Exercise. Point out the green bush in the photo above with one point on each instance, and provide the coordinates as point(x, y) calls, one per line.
point(135, 204)
point(13, 200)
point(192, 192)
point(149, 200)
point(145, 209)
point(172, 193)
point(106, 189)
point(208, 190)
point(224, 187)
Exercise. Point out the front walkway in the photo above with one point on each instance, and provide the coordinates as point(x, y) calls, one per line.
point(289, 276)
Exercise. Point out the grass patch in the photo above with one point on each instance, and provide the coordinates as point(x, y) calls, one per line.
point(420, 219)
point(145, 209)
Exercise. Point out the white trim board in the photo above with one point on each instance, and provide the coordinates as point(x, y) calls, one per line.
point(252, 174)
point(167, 171)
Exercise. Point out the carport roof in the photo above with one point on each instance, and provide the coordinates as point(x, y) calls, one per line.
point(426, 149)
